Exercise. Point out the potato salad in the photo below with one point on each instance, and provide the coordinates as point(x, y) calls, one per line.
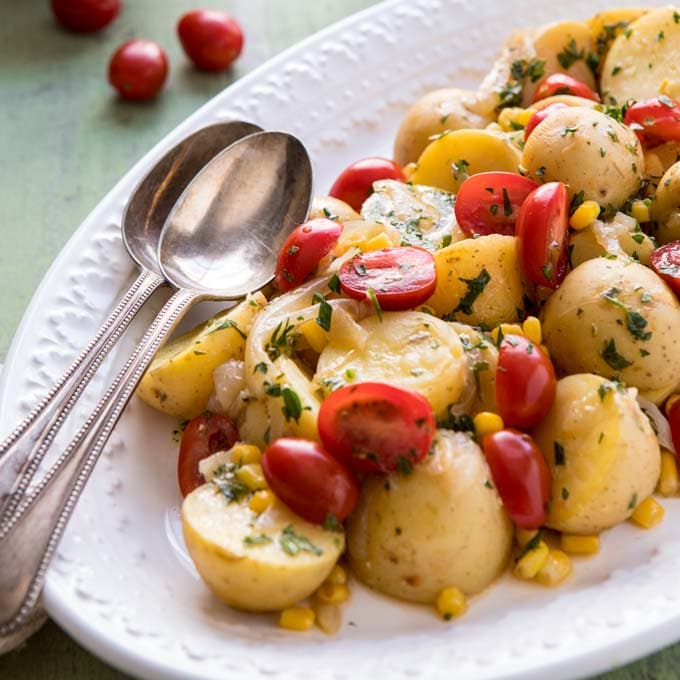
point(468, 363)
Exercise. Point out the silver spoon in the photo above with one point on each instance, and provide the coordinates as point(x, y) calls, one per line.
point(220, 242)
point(145, 214)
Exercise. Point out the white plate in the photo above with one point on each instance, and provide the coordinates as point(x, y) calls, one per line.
point(121, 584)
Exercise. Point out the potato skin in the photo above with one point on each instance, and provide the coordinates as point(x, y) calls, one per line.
point(666, 206)
point(610, 456)
point(440, 526)
point(322, 205)
point(579, 324)
point(588, 151)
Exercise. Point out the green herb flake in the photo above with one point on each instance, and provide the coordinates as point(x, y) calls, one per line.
point(547, 271)
point(224, 478)
point(570, 55)
point(404, 465)
point(616, 70)
point(644, 353)
point(475, 287)
point(565, 493)
point(260, 368)
point(531, 545)
point(567, 131)
point(293, 543)
point(459, 169)
point(323, 319)
point(446, 240)
point(260, 539)
point(576, 201)
point(559, 454)
point(507, 205)
point(612, 357)
point(635, 322)
point(332, 523)
point(334, 283)
point(633, 502)
point(292, 406)
point(329, 215)
point(370, 293)
point(229, 323)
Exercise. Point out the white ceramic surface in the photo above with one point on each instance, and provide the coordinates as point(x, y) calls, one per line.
point(121, 583)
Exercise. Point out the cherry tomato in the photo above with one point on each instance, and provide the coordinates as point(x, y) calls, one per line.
point(654, 121)
point(400, 278)
point(85, 16)
point(488, 203)
point(138, 69)
point(375, 427)
point(561, 83)
point(212, 39)
point(525, 382)
point(521, 476)
point(543, 234)
point(673, 415)
point(540, 115)
point(355, 183)
point(203, 436)
point(310, 481)
point(665, 262)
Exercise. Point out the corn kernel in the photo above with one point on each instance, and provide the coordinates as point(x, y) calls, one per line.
point(640, 211)
point(520, 118)
point(532, 562)
point(584, 215)
point(523, 536)
point(487, 422)
point(580, 545)
point(382, 240)
point(451, 603)
point(532, 330)
point(297, 618)
point(260, 501)
point(252, 476)
point(648, 514)
point(556, 570)
point(314, 335)
point(332, 593)
point(506, 329)
point(328, 617)
point(244, 454)
point(668, 479)
point(338, 576)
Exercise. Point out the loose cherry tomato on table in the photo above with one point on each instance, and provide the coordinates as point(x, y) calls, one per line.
point(488, 203)
point(211, 39)
point(203, 436)
point(303, 250)
point(673, 415)
point(310, 481)
point(525, 382)
point(654, 121)
point(539, 116)
point(561, 83)
point(543, 234)
point(665, 262)
point(355, 183)
point(138, 69)
point(521, 476)
point(375, 427)
point(399, 278)
point(85, 16)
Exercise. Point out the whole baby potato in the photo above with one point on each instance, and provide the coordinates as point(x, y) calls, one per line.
point(666, 206)
point(588, 151)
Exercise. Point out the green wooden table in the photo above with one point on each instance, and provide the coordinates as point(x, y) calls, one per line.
point(66, 139)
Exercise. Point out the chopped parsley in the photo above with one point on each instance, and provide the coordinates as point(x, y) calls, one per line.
point(325, 311)
point(570, 55)
point(229, 323)
point(404, 465)
point(612, 357)
point(334, 283)
point(459, 170)
point(224, 478)
point(521, 71)
point(559, 454)
point(565, 493)
point(282, 340)
point(576, 201)
point(260, 368)
point(633, 502)
point(370, 293)
point(292, 406)
point(329, 215)
point(261, 539)
point(293, 543)
point(332, 523)
point(475, 287)
point(635, 322)
point(531, 545)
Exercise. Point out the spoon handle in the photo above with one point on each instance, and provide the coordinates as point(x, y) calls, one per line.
point(29, 538)
point(24, 449)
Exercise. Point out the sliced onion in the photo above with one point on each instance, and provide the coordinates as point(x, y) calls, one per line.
point(662, 427)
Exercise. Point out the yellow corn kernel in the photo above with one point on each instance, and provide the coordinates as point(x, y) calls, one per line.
point(584, 215)
point(523, 536)
point(648, 514)
point(532, 330)
point(252, 476)
point(580, 545)
point(451, 603)
point(338, 576)
point(512, 118)
point(260, 501)
point(640, 210)
point(532, 562)
point(244, 454)
point(556, 570)
point(506, 329)
point(314, 335)
point(382, 240)
point(332, 593)
point(668, 479)
point(297, 618)
point(487, 422)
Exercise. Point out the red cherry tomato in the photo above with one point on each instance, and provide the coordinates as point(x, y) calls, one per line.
point(85, 16)
point(138, 69)
point(543, 234)
point(525, 382)
point(375, 427)
point(310, 481)
point(203, 436)
point(521, 476)
point(665, 262)
point(211, 39)
point(539, 116)
point(303, 250)
point(561, 83)
point(355, 183)
point(488, 203)
point(654, 121)
point(401, 278)
point(673, 415)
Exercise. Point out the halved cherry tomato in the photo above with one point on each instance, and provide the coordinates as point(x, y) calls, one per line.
point(85, 16)
point(303, 250)
point(400, 278)
point(138, 69)
point(525, 382)
point(521, 476)
point(355, 183)
point(561, 83)
point(310, 481)
point(540, 115)
point(203, 436)
point(673, 415)
point(488, 203)
point(211, 39)
point(543, 234)
point(654, 121)
point(375, 427)
point(665, 262)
